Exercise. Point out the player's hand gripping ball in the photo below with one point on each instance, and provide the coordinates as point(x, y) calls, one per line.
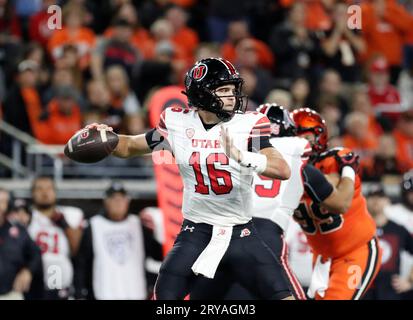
point(91, 144)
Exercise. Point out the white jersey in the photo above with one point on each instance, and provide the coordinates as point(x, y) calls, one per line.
point(217, 190)
point(54, 246)
point(119, 259)
point(399, 214)
point(300, 256)
point(274, 199)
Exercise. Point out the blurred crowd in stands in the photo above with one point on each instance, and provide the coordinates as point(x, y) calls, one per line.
point(111, 56)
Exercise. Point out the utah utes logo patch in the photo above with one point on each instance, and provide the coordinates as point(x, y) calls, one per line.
point(199, 71)
point(245, 233)
point(190, 132)
point(84, 134)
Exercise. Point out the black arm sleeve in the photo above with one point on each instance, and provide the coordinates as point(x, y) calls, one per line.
point(316, 184)
point(408, 243)
point(156, 141)
point(259, 143)
point(84, 267)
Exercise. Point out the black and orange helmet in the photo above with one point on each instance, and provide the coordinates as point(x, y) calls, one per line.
point(308, 120)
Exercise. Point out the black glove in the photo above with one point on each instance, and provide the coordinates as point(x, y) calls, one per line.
point(349, 158)
point(59, 219)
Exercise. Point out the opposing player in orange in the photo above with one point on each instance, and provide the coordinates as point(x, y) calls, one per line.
point(346, 252)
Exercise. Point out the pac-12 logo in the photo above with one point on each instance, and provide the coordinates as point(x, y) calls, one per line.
point(199, 71)
point(190, 132)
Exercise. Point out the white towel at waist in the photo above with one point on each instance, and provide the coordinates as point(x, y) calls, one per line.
point(319, 278)
point(209, 259)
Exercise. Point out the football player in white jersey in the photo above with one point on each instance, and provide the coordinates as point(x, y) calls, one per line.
point(274, 201)
point(218, 147)
point(57, 232)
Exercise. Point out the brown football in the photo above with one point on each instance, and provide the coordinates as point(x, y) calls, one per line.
point(91, 145)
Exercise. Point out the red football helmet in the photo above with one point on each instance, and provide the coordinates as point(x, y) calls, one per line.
point(308, 120)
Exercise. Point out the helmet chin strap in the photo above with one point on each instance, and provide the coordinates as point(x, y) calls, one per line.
point(221, 113)
point(224, 115)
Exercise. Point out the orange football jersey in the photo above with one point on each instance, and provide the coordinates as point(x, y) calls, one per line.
point(333, 235)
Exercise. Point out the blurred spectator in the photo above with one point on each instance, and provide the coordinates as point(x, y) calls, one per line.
point(20, 212)
point(61, 77)
point(70, 60)
point(134, 124)
point(162, 32)
point(25, 9)
point(5, 202)
point(99, 108)
point(402, 214)
point(329, 108)
point(150, 11)
point(261, 81)
point(394, 239)
point(57, 232)
point(141, 38)
point(39, 30)
point(300, 90)
point(156, 72)
point(331, 85)
point(122, 97)
point(341, 45)
point(403, 134)
point(384, 97)
point(361, 102)
point(207, 50)
point(23, 107)
point(10, 29)
point(318, 16)
point(10, 43)
point(111, 259)
point(73, 33)
point(35, 52)
point(405, 86)
point(280, 97)
point(295, 48)
point(117, 50)
point(20, 257)
point(238, 31)
point(182, 35)
point(61, 119)
point(90, 11)
point(384, 25)
point(384, 161)
point(220, 15)
point(360, 140)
